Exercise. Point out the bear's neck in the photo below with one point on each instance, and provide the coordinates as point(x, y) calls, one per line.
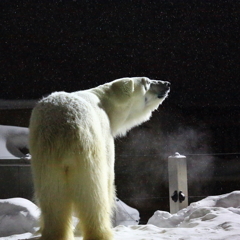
point(120, 115)
point(113, 109)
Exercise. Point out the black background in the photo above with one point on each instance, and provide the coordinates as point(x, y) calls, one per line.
point(71, 45)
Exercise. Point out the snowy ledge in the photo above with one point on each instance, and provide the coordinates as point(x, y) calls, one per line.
point(13, 143)
point(17, 104)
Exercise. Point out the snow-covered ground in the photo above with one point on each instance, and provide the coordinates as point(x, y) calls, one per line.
point(215, 217)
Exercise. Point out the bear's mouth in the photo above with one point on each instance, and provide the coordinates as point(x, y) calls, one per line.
point(163, 94)
point(163, 90)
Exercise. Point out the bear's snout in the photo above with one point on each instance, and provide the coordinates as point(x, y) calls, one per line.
point(161, 87)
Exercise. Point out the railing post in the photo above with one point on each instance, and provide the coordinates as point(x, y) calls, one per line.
point(178, 189)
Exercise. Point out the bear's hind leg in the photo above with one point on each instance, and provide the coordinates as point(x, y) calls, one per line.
point(91, 203)
point(56, 207)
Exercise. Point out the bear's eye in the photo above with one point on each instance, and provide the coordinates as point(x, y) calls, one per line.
point(147, 85)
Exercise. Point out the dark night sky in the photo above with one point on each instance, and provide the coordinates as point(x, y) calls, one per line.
point(71, 45)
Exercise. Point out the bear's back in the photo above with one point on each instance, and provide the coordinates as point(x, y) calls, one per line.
point(67, 120)
point(62, 110)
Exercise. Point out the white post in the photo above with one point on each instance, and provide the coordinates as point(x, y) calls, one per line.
point(177, 175)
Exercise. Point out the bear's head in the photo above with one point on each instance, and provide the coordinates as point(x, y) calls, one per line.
point(130, 101)
point(151, 89)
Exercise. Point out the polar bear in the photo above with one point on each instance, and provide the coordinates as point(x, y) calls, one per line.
point(72, 147)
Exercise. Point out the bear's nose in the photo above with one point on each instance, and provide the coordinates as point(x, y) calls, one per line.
point(167, 84)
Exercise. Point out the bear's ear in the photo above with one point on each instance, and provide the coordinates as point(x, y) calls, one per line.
point(123, 86)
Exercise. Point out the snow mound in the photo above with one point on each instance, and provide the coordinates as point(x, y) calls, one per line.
point(125, 215)
point(18, 215)
point(223, 209)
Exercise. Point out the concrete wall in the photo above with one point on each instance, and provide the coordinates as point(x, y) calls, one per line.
point(16, 179)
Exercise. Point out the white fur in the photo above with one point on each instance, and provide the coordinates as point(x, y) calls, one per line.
point(72, 148)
